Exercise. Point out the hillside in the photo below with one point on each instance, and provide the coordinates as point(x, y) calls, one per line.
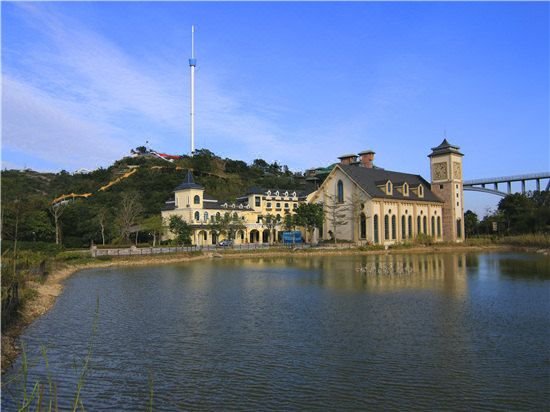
point(27, 195)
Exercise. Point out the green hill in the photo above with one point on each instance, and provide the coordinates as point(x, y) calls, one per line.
point(27, 195)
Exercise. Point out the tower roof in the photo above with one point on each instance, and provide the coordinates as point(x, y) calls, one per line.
point(188, 183)
point(444, 148)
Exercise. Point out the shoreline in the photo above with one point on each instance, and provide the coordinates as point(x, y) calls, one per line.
point(47, 292)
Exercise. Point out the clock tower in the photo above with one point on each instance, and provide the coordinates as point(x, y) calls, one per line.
point(446, 172)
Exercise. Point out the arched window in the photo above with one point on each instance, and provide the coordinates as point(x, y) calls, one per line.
point(197, 200)
point(205, 216)
point(403, 227)
point(410, 226)
point(235, 216)
point(197, 216)
point(425, 225)
point(386, 227)
point(375, 228)
point(340, 187)
point(418, 225)
point(439, 226)
point(433, 226)
point(459, 228)
point(393, 227)
point(363, 226)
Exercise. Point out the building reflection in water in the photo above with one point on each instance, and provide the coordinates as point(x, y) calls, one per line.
point(384, 273)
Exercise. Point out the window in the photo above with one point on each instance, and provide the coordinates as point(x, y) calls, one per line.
point(363, 226)
point(438, 226)
point(433, 226)
point(277, 205)
point(197, 200)
point(340, 187)
point(205, 216)
point(235, 216)
point(418, 226)
point(459, 228)
point(218, 216)
point(268, 205)
point(286, 206)
point(405, 189)
point(410, 226)
point(420, 191)
point(197, 216)
point(389, 188)
point(375, 228)
point(258, 201)
point(295, 206)
point(386, 227)
point(393, 227)
point(205, 235)
point(425, 225)
point(403, 227)
point(441, 186)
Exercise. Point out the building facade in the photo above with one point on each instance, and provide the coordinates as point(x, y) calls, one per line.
point(362, 204)
point(260, 212)
point(367, 204)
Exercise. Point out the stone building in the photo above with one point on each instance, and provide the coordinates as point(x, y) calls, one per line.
point(367, 204)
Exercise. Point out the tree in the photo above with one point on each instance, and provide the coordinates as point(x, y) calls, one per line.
point(336, 214)
point(270, 222)
point(129, 211)
point(103, 217)
point(309, 216)
point(181, 229)
point(228, 223)
point(56, 211)
point(471, 223)
point(154, 226)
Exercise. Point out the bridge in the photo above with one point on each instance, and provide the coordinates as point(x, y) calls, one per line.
point(490, 185)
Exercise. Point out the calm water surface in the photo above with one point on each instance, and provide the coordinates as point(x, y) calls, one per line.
point(446, 332)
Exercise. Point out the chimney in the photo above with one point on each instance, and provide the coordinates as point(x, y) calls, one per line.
point(367, 158)
point(348, 159)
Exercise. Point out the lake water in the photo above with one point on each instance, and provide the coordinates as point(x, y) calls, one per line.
point(438, 331)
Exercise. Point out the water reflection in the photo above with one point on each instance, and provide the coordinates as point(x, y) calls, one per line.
point(382, 273)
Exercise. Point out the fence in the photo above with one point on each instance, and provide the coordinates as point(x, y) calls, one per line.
point(133, 251)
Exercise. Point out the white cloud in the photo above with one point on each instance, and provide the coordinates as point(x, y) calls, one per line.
point(50, 129)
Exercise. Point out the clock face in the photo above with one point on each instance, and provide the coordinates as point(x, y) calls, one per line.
point(439, 171)
point(457, 170)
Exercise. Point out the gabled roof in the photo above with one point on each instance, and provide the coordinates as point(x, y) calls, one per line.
point(444, 148)
point(369, 179)
point(188, 183)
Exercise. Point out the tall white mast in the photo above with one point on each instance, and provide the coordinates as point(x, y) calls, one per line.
point(192, 64)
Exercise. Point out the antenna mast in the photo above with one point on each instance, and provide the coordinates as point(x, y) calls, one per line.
point(192, 64)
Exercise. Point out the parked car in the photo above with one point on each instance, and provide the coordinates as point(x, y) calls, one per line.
point(226, 243)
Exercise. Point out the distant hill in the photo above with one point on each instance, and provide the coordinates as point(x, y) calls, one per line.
point(27, 195)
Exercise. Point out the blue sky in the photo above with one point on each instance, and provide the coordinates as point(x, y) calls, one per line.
point(297, 83)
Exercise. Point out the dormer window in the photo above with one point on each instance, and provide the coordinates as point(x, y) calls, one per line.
point(293, 194)
point(286, 194)
point(420, 191)
point(277, 193)
point(241, 206)
point(389, 188)
point(405, 189)
point(268, 193)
